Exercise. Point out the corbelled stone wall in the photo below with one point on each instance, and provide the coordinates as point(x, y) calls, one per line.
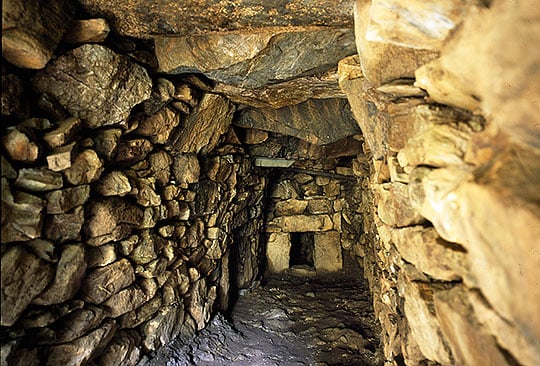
point(449, 113)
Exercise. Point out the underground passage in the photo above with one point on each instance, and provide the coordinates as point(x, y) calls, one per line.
point(274, 183)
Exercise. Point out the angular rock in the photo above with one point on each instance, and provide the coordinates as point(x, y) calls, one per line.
point(38, 179)
point(60, 158)
point(468, 339)
point(64, 200)
point(147, 248)
point(290, 207)
point(159, 126)
point(316, 121)
point(200, 301)
point(64, 133)
point(257, 58)
point(327, 252)
point(416, 24)
point(101, 256)
point(106, 141)
point(72, 326)
point(69, 273)
point(394, 206)
point(44, 249)
point(278, 249)
point(95, 84)
point(105, 216)
point(102, 283)
point(143, 313)
point(86, 168)
point(122, 350)
point(163, 92)
point(31, 31)
point(83, 349)
point(146, 192)
point(132, 151)
point(254, 136)
point(87, 31)
point(160, 166)
point(209, 16)
point(424, 324)
point(285, 93)
point(115, 183)
point(19, 145)
point(65, 226)
point(384, 62)
point(130, 298)
point(303, 223)
point(204, 126)
point(21, 215)
point(24, 276)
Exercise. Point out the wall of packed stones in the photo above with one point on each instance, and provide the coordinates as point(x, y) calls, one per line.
point(120, 207)
point(451, 126)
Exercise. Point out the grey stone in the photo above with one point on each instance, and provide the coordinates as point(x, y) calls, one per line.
point(38, 179)
point(95, 84)
point(24, 276)
point(315, 121)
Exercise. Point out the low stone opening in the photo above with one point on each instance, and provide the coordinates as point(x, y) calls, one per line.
point(302, 246)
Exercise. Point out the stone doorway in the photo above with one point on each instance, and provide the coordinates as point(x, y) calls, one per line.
point(302, 248)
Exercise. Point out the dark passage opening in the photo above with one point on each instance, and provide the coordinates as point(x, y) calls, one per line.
point(301, 249)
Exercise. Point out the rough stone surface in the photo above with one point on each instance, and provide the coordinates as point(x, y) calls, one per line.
point(394, 206)
point(65, 226)
point(130, 298)
point(102, 283)
point(38, 179)
point(209, 16)
point(315, 121)
point(86, 168)
point(65, 131)
point(158, 126)
point(304, 223)
point(205, 125)
point(95, 84)
point(260, 57)
point(327, 252)
point(19, 146)
point(63, 200)
point(278, 248)
point(87, 31)
point(24, 276)
point(31, 31)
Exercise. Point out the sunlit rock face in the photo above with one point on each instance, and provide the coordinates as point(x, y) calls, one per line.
point(140, 188)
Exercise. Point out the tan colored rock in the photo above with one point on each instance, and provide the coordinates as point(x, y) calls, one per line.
point(6, 169)
point(60, 158)
point(24, 276)
point(102, 283)
point(285, 190)
point(130, 298)
point(470, 342)
point(416, 24)
point(38, 179)
point(394, 206)
point(186, 168)
point(159, 126)
point(278, 249)
point(19, 145)
point(327, 252)
point(524, 350)
point(200, 301)
point(290, 207)
point(147, 248)
point(143, 313)
point(160, 166)
point(21, 215)
point(115, 183)
point(304, 223)
point(106, 141)
point(69, 273)
point(122, 350)
point(384, 62)
point(44, 249)
point(31, 31)
point(423, 323)
point(65, 226)
point(64, 133)
point(101, 256)
point(81, 350)
point(87, 31)
point(63, 200)
point(132, 151)
point(86, 168)
point(204, 126)
point(105, 216)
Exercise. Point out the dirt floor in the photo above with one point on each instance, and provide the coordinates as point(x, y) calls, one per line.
point(291, 319)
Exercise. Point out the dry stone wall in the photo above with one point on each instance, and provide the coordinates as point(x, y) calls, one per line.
point(123, 197)
point(452, 256)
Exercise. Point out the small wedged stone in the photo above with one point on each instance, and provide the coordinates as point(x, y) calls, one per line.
point(21, 215)
point(146, 192)
point(19, 145)
point(132, 151)
point(44, 249)
point(64, 133)
point(31, 31)
point(87, 31)
point(38, 179)
point(63, 200)
point(81, 350)
point(103, 282)
point(65, 226)
point(163, 92)
point(69, 273)
point(24, 276)
point(204, 126)
point(86, 168)
point(60, 158)
point(147, 248)
point(95, 84)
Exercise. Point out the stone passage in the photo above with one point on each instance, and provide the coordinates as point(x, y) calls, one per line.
point(157, 160)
